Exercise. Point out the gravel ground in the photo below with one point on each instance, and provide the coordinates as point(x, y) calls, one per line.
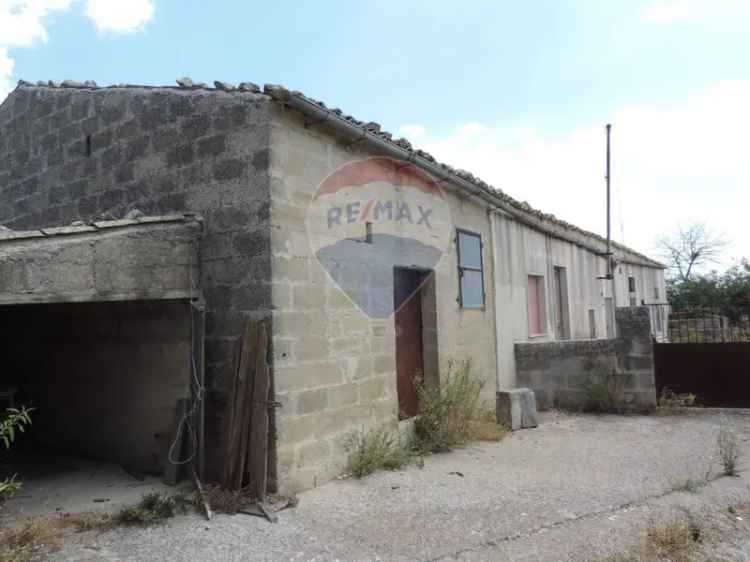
point(575, 487)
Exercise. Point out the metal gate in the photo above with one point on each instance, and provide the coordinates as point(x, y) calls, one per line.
point(704, 351)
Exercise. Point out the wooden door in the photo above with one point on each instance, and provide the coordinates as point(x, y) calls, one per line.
point(409, 350)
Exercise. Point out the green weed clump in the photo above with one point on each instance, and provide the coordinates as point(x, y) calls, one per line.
point(603, 391)
point(451, 415)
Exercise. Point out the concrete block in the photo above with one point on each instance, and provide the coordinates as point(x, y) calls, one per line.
point(312, 401)
point(343, 395)
point(516, 408)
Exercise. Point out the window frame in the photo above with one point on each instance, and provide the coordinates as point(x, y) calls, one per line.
point(460, 268)
point(632, 287)
point(541, 306)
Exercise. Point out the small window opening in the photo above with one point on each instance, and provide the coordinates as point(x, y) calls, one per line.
point(88, 145)
point(592, 323)
point(470, 269)
point(536, 306)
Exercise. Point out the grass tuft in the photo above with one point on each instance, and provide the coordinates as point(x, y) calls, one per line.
point(486, 428)
point(375, 450)
point(153, 508)
point(36, 539)
point(729, 447)
point(88, 521)
point(674, 540)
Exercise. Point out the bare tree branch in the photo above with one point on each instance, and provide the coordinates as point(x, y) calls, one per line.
point(690, 248)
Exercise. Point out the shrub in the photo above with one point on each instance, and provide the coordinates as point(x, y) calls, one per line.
point(153, 508)
point(9, 487)
point(453, 414)
point(13, 420)
point(375, 450)
point(729, 447)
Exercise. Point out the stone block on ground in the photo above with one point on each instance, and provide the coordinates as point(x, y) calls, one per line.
point(516, 408)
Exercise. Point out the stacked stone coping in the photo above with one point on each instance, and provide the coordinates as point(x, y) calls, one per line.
point(79, 227)
point(282, 94)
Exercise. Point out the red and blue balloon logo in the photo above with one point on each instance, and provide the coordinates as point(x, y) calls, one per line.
point(371, 217)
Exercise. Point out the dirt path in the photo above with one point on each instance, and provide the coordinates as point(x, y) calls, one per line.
point(573, 489)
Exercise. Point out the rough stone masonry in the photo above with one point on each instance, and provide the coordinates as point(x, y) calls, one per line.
point(84, 153)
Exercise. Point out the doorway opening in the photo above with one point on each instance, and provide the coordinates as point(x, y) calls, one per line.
point(106, 381)
point(562, 323)
point(415, 323)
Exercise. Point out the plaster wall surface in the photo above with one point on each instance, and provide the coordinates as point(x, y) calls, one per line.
point(522, 251)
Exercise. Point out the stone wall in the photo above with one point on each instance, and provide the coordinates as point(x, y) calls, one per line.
point(70, 154)
point(559, 371)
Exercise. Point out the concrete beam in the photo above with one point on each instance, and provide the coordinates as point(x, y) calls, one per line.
point(131, 260)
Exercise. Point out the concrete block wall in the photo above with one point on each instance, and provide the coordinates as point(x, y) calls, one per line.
point(559, 371)
point(334, 367)
point(160, 150)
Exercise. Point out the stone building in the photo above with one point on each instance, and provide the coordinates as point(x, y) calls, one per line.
point(372, 261)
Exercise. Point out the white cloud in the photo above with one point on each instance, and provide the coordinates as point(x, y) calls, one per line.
point(119, 16)
point(670, 164)
point(21, 20)
point(412, 132)
point(694, 11)
point(22, 24)
point(6, 71)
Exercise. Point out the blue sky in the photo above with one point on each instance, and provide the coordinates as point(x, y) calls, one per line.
point(516, 92)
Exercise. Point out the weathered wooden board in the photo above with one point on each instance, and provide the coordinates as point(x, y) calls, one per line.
point(257, 452)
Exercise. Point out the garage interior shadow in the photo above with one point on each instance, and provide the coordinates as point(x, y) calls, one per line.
point(103, 378)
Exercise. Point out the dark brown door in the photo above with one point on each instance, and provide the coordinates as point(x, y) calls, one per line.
point(408, 323)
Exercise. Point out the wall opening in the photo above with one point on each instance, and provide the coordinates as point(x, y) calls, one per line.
point(104, 378)
point(415, 323)
point(562, 318)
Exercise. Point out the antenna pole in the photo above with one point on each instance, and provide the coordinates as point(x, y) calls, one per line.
point(609, 222)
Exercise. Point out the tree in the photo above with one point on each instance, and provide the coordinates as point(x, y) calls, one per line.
point(729, 290)
point(689, 248)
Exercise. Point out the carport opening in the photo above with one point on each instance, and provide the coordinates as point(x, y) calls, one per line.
point(104, 380)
